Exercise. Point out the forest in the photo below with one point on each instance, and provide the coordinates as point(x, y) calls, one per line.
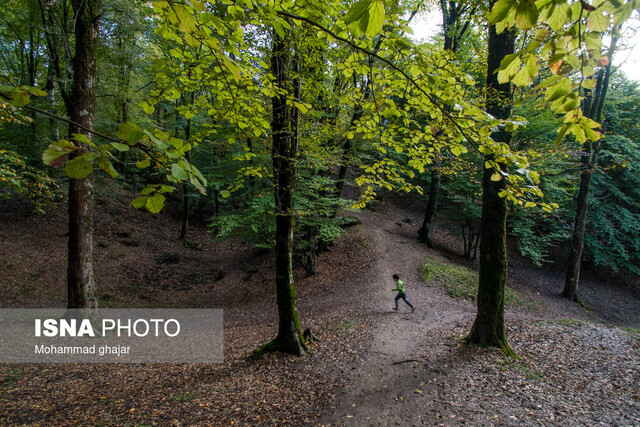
point(296, 164)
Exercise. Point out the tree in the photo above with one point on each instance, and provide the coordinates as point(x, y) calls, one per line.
point(561, 34)
point(80, 278)
point(456, 18)
point(488, 327)
point(80, 152)
point(593, 105)
point(21, 46)
point(284, 128)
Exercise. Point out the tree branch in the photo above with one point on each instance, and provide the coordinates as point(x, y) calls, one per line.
point(71, 122)
point(415, 84)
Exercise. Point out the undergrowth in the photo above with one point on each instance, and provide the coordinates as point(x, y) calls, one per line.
point(460, 282)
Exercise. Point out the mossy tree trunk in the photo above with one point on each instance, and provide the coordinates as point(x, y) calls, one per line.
point(80, 278)
point(488, 328)
point(284, 127)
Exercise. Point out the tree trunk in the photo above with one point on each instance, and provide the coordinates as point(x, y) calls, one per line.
point(51, 92)
point(185, 199)
point(577, 242)
point(344, 166)
point(347, 148)
point(451, 14)
point(424, 234)
point(593, 106)
point(80, 279)
point(284, 127)
point(186, 213)
point(488, 328)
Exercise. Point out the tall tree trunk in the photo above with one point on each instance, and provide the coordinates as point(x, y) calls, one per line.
point(344, 167)
point(593, 105)
point(284, 128)
point(186, 213)
point(51, 93)
point(347, 153)
point(453, 32)
point(577, 241)
point(424, 233)
point(80, 279)
point(488, 328)
point(358, 112)
point(185, 194)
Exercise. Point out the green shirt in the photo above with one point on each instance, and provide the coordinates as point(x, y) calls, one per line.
point(400, 287)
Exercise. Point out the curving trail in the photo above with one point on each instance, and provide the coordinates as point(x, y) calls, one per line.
point(414, 370)
point(382, 382)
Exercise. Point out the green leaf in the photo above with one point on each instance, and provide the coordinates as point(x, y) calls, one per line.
point(148, 190)
point(130, 133)
point(598, 21)
point(559, 17)
point(81, 138)
point(526, 14)
point(509, 67)
point(279, 29)
point(149, 109)
point(500, 11)
point(166, 189)
point(139, 202)
point(526, 73)
point(561, 133)
point(56, 154)
point(231, 66)
point(120, 147)
point(579, 133)
point(562, 87)
point(105, 164)
point(185, 21)
point(196, 183)
point(357, 11)
point(178, 172)
point(35, 91)
point(366, 17)
point(376, 18)
point(141, 164)
point(155, 203)
point(623, 13)
point(78, 168)
point(19, 97)
point(496, 177)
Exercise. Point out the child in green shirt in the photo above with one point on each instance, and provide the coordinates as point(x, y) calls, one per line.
point(401, 293)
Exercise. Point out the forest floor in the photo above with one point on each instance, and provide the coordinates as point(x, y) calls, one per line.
point(371, 365)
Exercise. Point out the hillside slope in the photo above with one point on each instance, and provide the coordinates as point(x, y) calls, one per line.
point(372, 366)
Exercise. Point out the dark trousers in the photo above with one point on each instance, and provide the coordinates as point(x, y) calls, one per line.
point(403, 295)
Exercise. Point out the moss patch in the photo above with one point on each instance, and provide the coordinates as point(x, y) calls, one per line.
point(633, 332)
point(460, 282)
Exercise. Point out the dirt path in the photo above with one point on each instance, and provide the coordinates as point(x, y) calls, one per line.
point(372, 366)
point(415, 370)
point(386, 373)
